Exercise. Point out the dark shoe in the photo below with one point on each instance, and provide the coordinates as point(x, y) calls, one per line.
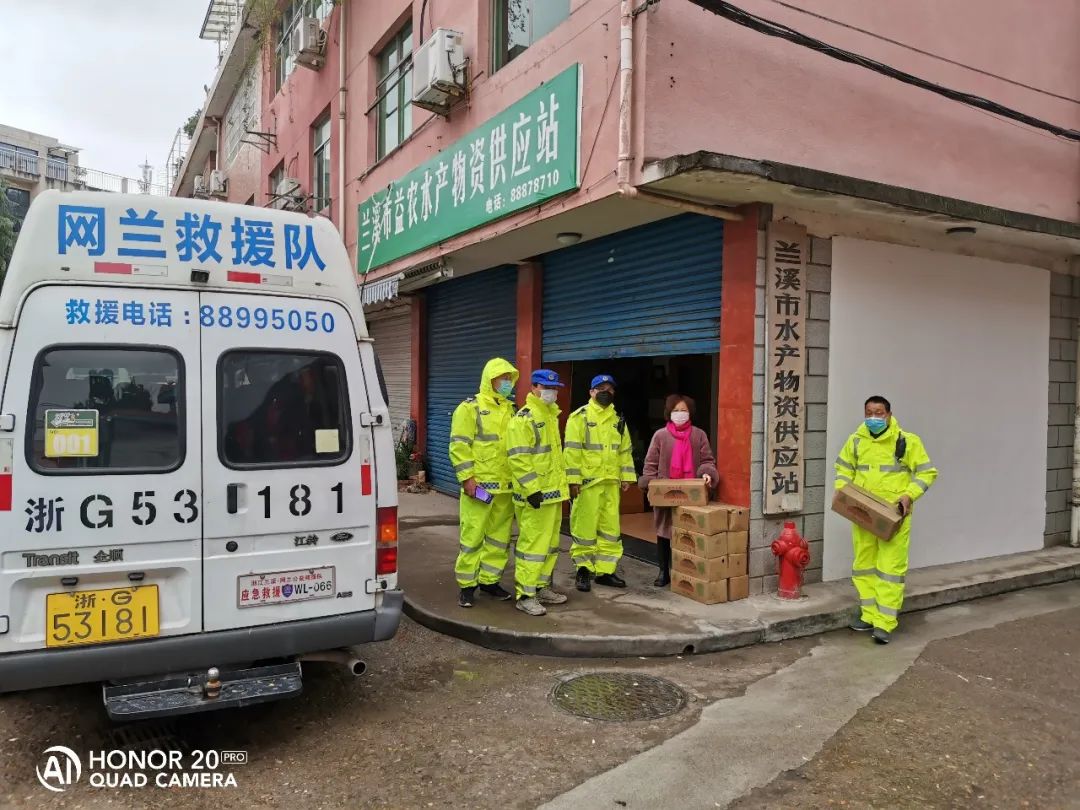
point(882, 636)
point(859, 626)
point(611, 580)
point(663, 560)
point(497, 591)
point(465, 597)
point(584, 579)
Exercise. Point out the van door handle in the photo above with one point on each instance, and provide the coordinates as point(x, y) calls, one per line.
point(232, 498)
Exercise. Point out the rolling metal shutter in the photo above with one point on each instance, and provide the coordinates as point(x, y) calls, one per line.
point(469, 321)
point(648, 291)
point(392, 332)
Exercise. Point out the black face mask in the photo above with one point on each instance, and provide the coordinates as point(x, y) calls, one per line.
point(604, 398)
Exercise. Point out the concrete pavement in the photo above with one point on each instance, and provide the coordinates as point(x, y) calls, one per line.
point(782, 721)
point(648, 621)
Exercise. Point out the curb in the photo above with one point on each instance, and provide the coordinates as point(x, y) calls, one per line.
point(733, 635)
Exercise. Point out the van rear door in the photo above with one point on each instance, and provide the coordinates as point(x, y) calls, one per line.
point(290, 512)
point(100, 539)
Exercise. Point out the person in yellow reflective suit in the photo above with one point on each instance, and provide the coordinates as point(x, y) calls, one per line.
point(598, 465)
point(478, 453)
point(893, 464)
point(534, 449)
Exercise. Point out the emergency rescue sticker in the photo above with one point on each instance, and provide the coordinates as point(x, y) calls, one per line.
point(71, 433)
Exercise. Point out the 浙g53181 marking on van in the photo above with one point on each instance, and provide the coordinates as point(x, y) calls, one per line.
point(188, 389)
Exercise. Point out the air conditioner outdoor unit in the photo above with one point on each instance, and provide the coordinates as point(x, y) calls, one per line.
point(439, 71)
point(288, 196)
point(200, 186)
point(219, 183)
point(308, 43)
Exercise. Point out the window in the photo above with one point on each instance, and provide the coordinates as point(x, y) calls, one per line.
point(242, 114)
point(520, 23)
point(395, 91)
point(138, 396)
point(291, 15)
point(320, 164)
point(277, 176)
point(282, 409)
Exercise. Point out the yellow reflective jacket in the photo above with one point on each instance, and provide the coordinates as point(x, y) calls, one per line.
point(597, 447)
point(478, 432)
point(535, 452)
point(872, 463)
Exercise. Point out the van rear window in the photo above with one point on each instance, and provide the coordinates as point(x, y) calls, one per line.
point(282, 409)
point(110, 409)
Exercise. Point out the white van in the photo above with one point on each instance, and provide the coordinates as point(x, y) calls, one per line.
point(197, 478)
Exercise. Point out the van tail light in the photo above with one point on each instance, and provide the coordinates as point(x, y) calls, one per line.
point(386, 541)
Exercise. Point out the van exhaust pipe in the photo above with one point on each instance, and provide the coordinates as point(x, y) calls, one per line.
point(346, 657)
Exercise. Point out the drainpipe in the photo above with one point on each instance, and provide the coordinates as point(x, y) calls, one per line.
point(341, 119)
point(1074, 527)
point(626, 98)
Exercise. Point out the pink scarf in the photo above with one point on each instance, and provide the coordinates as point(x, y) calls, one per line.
point(682, 457)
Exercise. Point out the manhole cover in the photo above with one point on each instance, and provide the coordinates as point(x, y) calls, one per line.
point(618, 696)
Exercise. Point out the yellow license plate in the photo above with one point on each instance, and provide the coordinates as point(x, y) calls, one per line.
point(96, 617)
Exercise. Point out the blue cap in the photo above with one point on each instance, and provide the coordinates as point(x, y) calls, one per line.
point(543, 376)
point(600, 379)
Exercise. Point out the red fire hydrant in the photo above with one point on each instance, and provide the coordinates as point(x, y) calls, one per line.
point(792, 556)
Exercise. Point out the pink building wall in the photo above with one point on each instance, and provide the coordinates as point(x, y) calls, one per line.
point(713, 85)
point(702, 83)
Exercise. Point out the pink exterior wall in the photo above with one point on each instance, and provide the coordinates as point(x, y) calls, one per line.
point(715, 86)
point(245, 175)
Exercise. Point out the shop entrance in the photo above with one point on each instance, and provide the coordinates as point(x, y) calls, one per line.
point(644, 383)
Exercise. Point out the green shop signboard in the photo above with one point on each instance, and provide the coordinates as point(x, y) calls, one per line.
point(523, 156)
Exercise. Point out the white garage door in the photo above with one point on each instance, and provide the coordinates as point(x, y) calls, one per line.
point(960, 347)
point(392, 331)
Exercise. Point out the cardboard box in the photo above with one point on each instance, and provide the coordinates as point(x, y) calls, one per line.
point(736, 565)
point(738, 588)
point(738, 518)
point(708, 546)
point(687, 492)
point(738, 543)
point(708, 519)
point(708, 593)
point(876, 515)
point(707, 568)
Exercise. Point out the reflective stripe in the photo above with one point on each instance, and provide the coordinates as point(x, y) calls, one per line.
point(517, 451)
point(491, 569)
point(543, 448)
point(841, 463)
point(465, 465)
point(867, 602)
point(536, 434)
point(462, 439)
point(855, 448)
point(594, 447)
point(863, 572)
point(863, 468)
point(465, 574)
point(886, 611)
point(606, 558)
point(527, 478)
point(487, 437)
point(920, 484)
point(573, 445)
point(841, 477)
point(629, 470)
point(614, 447)
point(521, 555)
point(579, 541)
point(924, 467)
point(889, 577)
point(573, 471)
point(466, 550)
point(614, 538)
point(497, 543)
point(528, 590)
point(891, 468)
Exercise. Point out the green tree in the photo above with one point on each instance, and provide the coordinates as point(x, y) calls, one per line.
point(7, 231)
point(192, 122)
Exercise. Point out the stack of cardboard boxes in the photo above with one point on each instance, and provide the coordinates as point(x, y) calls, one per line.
point(709, 543)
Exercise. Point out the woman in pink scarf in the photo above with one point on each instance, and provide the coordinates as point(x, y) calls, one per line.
point(678, 451)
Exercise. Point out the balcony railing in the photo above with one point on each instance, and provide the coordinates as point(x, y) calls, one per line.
point(20, 162)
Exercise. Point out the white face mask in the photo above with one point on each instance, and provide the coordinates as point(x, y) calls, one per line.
point(680, 417)
point(549, 396)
